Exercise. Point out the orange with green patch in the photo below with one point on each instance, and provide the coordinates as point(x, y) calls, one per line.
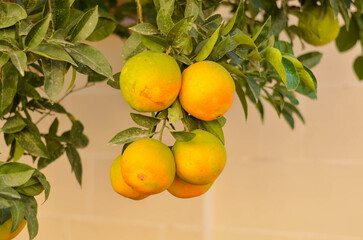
point(119, 185)
point(182, 189)
point(207, 90)
point(148, 166)
point(200, 160)
point(150, 81)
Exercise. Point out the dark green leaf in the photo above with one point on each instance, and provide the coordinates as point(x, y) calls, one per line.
point(192, 9)
point(31, 207)
point(4, 58)
point(292, 76)
point(183, 136)
point(92, 58)
point(8, 192)
point(175, 112)
point(236, 19)
point(75, 161)
point(347, 38)
point(54, 52)
point(208, 47)
point(27, 90)
point(28, 4)
point(310, 59)
point(17, 211)
point(85, 26)
point(335, 5)
point(154, 43)
point(54, 73)
point(358, 67)
point(8, 86)
point(31, 143)
point(104, 28)
point(179, 32)
point(46, 186)
point(145, 29)
point(10, 14)
point(215, 128)
point(114, 82)
point(76, 135)
point(15, 174)
point(31, 188)
point(255, 88)
point(242, 97)
point(132, 46)
point(221, 49)
point(37, 32)
point(263, 32)
point(60, 10)
point(18, 58)
point(130, 135)
point(13, 125)
point(284, 47)
point(144, 121)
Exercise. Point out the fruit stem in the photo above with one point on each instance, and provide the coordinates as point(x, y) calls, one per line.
point(139, 11)
point(162, 129)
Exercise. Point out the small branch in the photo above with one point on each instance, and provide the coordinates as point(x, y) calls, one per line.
point(162, 130)
point(139, 11)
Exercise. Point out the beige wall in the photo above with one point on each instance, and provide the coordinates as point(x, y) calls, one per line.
point(278, 184)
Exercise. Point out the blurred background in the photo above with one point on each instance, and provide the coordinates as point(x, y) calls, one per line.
point(278, 183)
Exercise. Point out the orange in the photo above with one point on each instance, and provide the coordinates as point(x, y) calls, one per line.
point(150, 81)
point(207, 90)
point(318, 28)
point(148, 166)
point(200, 160)
point(119, 184)
point(182, 189)
point(5, 229)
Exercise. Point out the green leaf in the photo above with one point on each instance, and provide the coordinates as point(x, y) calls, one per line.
point(18, 152)
point(18, 58)
point(4, 204)
point(4, 58)
point(11, 13)
point(221, 49)
point(284, 47)
point(28, 4)
point(31, 143)
point(244, 40)
point(14, 174)
point(335, 5)
point(17, 211)
point(233, 70)
point(236, 19)
point(132, 46)
point(144, 121)
point(85, 26)
point(310, 59)
point(154, 43)
point(7, 33)
point(292, 74)
point(242, 97)
point(54, 72)
point(104, 28)
point(274, 57)
point(37, 32)
point(215, 128)
point(8, 86)
point(208, 47)
point(145, 29)
point(175, 112)
point(42, 179)
point(27, 90)
point(13, 124)
point(8, 192)
point(115, 82)
point(255, 88)
point(130, 135)
point(183, 136)
point(301, 70)
point(92, 58)
point(60, 10)
point(31, 207)
point(75, 161)
point(263, 32)
point(31, 188)
point(358, 67)
point(77, 137)
point(178, 34)
point(164, 21)
point(347, 38)
point(192, 9)
point(53, 129)
point(53, 51)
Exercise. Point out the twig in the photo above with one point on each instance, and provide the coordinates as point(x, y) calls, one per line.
point(139, 12)
point(162, 129)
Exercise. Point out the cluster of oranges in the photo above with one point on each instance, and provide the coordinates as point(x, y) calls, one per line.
point(151, 82)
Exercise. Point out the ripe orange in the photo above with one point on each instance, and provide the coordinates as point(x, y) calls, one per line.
point(148, 166)
point(200, 160)
point(182, 189)
point(317, 30)
point(207, 90)
point(119, 184)
point(150, 81)
point(5, 229)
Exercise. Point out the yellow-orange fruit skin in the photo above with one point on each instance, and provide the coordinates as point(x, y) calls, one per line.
point(119, 185)
point(150, 81)
point(182, 189)
point(200, 160)
point(5, 229)
point(207, 90)
point(148, 166)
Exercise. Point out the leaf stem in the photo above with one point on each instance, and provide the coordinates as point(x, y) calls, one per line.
point(162, 130)
point(139, 11)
